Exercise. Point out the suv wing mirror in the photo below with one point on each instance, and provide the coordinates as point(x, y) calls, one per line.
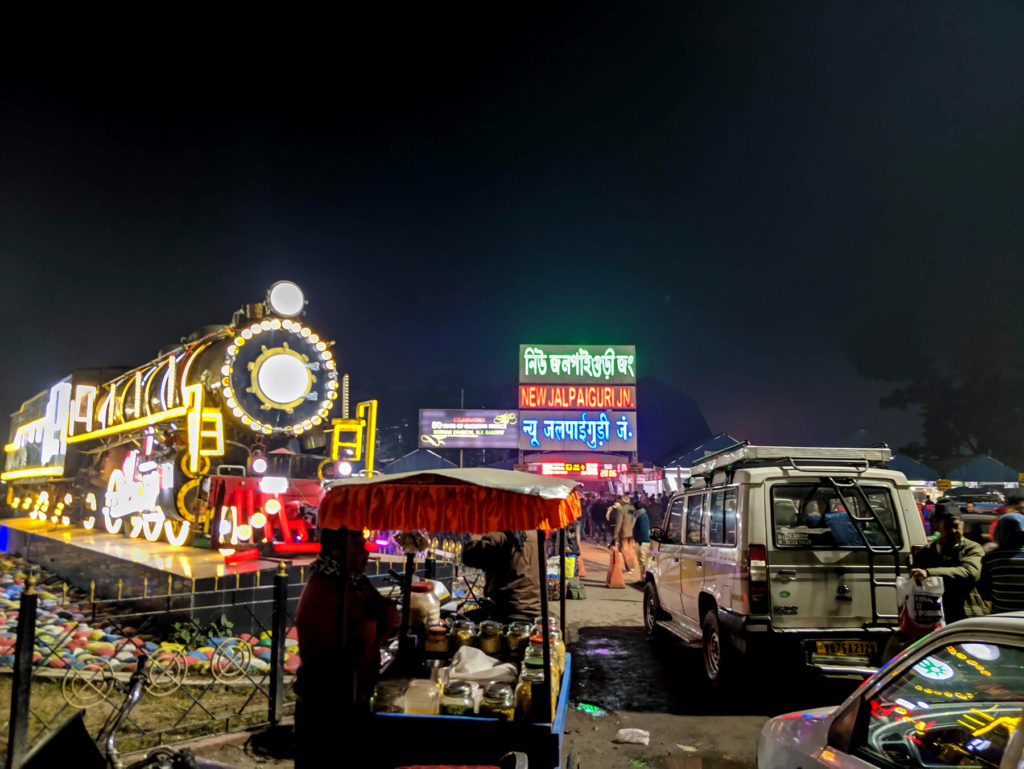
point(656, 534)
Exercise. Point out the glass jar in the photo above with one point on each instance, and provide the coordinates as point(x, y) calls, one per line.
point(422, 697)
point(530, 682)
point(517, 638)
point(491, 641)
point(463, 633)
point(538, 624)
point(388, 697)
point(424, 606)
point(535, 651)
point(457, 699)
point(499, 702)
point(437, 640)
point(558, 651)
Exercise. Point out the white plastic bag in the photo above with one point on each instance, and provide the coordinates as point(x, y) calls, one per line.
point(920, 605)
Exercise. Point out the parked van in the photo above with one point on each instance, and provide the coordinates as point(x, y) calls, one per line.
point(786, 554)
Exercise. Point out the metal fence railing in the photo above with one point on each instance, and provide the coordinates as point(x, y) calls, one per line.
point(219, 660)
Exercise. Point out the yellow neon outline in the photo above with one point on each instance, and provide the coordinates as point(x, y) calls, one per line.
point(147, 386)
point(188, 366)
point(32, 472)
point(216, 431)
point(162, 416)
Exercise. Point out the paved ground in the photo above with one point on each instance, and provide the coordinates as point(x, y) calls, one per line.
point(658, 688)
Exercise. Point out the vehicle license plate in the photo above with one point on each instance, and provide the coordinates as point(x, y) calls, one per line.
point(846, 648)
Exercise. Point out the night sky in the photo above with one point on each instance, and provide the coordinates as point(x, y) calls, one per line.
point(749, 192)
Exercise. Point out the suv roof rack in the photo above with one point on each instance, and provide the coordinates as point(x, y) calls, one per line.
point(799, 457)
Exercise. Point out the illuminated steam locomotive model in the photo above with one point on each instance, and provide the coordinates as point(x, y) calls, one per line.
point(222, 441)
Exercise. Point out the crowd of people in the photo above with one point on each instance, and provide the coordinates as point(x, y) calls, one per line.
point(624, 522)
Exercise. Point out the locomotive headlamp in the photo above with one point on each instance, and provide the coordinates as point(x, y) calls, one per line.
point(283, 378)
point(259, 462)
point(285, 299)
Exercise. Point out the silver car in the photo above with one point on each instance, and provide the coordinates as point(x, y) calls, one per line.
point(954, 698)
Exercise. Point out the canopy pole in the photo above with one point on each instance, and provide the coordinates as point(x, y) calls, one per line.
point(561, 581)
point(404, 647)
point(542, 713)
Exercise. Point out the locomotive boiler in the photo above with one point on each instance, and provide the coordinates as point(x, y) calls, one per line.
point(222, 440)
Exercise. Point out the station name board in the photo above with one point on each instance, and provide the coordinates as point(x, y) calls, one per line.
point(577, 364)
point(581, 469)
point(540, 396)
point(578, 431)
point(469, 429)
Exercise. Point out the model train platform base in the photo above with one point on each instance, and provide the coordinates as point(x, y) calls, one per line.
point(115, 566)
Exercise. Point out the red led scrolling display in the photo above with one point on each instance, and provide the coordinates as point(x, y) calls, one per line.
point(540, 396)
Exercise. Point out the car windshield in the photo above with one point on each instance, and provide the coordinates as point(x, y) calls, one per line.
point(957, 706)
point(814, 515)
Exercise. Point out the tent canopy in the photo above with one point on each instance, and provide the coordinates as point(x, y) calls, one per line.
point(475, 500)
point(983, 469)
point(913, 469)
point(707, 446)
point(416, 460)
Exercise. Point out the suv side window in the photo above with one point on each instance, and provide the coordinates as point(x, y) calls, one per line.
point(695, 519)
point(722, 523)
point(673, 527)
point(956, 707)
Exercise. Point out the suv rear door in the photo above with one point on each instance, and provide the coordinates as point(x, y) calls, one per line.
point(818, 565)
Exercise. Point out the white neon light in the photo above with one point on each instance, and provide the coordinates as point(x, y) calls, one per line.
point(259, 465)
point(986, 652)
point(82, 409)
point(282, 378)
point(272, 484)
point(179, 540)
point(285, 299)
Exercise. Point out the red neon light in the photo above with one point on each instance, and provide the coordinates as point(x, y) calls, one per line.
point(241, 556)
point(537, 396)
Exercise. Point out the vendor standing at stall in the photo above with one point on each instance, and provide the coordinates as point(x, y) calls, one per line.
point(325, 685)
point(511, 570)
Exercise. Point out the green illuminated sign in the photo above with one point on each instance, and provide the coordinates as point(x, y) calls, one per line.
point(577, 364)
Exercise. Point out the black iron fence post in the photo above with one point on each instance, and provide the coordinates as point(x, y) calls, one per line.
point(21, 684)
point(278, 624)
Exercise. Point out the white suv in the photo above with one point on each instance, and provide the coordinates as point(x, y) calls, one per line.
point(784, 551)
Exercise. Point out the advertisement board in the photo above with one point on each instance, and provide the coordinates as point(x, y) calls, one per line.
point(469, 429)
point(577, 431)
point(577, 364)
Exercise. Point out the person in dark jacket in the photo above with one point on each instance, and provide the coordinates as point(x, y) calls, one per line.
point(511, 566)
point(642, 535)
point(958, 561)
point(1002, 570)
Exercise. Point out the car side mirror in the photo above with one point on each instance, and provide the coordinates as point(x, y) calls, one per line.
point(656, 534)
point(840, 731)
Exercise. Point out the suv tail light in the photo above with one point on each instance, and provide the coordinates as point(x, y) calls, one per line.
point(757, 570)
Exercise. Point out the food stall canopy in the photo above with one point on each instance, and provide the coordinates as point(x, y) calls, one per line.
point(474, 500)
